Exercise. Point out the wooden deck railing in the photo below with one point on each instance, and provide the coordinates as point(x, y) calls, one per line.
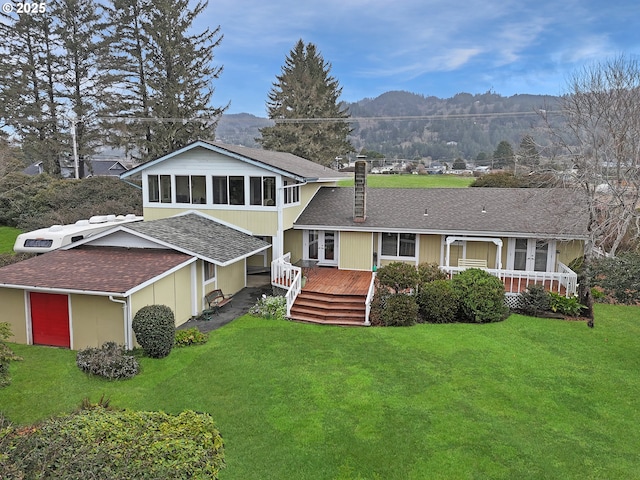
point(564, 281)
point(286, 276)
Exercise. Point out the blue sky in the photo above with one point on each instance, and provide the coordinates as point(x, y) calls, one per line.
point(429, 47)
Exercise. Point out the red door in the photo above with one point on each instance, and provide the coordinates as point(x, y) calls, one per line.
point(50, 319)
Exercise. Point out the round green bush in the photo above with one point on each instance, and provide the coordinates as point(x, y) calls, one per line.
point(398, 276)
point(481, 296)
point(535, 300)
point(400, 310)
point(154, 326)
point(438, 302)
point(429, 272)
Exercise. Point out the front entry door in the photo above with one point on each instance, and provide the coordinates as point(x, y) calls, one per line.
point(321, 245)
point(532, 255)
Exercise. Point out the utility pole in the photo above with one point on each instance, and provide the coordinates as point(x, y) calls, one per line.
point(76, 163)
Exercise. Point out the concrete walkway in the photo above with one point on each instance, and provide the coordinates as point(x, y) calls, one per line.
point(240, 305)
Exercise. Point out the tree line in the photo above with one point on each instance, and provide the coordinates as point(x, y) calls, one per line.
point(128, 74)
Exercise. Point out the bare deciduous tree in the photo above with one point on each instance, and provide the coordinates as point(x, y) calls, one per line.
point(601, 136)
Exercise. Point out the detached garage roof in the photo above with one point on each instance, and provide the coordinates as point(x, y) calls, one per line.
point(102, 270)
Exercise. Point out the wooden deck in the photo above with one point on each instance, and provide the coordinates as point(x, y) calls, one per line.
point(332, 281)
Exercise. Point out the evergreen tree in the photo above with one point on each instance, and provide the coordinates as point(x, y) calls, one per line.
point(528, 152)
point(304, 91)
point(169, 72)
point(503, 156)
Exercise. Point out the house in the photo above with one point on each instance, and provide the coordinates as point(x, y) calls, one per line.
point(215, 212)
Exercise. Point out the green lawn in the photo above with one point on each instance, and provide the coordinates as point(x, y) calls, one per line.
point(7, 238)
point(522, 399)
point(414, 181)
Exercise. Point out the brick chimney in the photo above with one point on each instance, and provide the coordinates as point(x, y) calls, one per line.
point(360, 196)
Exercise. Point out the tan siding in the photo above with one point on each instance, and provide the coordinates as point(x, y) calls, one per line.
point(290, 214)
point(569, 250)
point(480, 251)
point(231, 279)
point(182, 295)
point(429, 249)
point(356, 251)
point(96, 320)
point(293, 243)
point(13, 312)
point(258, 223)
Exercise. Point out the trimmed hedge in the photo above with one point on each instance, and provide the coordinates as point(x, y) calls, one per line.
point(398, 276)
point(400, 310)
point(112, 445)
point(438, 302)
point(154, 326)
point(481, 296)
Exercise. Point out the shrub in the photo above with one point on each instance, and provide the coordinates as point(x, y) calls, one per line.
point(6, 354)
point(378, 303)
point(569, 306)
point(190, 336)
point(535, 300)
point(618, 278)
point(438, 302)
point(429, 272)
point(154, 326)
point(398, 276)
point(274, 307)
point(113, 444)
point(400, 310)
point(108, 361)
point(481, 296)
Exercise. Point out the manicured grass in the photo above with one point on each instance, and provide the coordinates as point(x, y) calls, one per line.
point(7, 238)
point(414, 181)
point(525, 398)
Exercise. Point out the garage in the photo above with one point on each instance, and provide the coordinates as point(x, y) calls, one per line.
point(50, 319)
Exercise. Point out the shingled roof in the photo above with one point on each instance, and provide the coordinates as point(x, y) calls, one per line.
point(107, 270)
point(543, 213)
point(200, 235)
point(285, 163)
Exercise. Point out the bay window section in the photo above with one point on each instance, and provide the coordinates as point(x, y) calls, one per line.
point(159, 188)
point(262, 191)
point(220, 192)
point(191, 189)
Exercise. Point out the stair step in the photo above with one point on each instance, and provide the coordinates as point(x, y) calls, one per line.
point(323, 297)
point(338, 322)
point(322, 313)
point(330, 305)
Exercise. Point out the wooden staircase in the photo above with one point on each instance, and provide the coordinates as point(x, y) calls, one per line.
point(329, 308)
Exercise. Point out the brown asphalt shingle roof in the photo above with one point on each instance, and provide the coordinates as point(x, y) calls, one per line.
point(92, 269)
point(520, 211)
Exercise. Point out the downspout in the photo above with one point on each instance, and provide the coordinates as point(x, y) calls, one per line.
point(127, 340)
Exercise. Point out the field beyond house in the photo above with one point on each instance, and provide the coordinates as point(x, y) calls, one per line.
point(8, 237)
point(526, 398)
point(413, 181)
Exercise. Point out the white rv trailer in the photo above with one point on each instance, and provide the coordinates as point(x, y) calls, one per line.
point(56, 236)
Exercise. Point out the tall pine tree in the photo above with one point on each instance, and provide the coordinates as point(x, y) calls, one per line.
point(304, 91)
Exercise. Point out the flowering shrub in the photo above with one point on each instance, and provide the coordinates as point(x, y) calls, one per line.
point(274, 307)
point(108, 361)
point(190, 336)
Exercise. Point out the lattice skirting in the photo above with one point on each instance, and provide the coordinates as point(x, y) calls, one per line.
point(513, 301)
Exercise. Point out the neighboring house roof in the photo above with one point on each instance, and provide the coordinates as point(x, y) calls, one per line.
point(104, 168)
point(34, 169)
point(284, 163)
point(92, 269)
point(200, 235)
point(544, 212)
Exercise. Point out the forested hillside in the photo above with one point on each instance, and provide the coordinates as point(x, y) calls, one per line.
point(408, 125)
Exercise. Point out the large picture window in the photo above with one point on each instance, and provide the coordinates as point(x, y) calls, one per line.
point(398, 245)
point(191, 189)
